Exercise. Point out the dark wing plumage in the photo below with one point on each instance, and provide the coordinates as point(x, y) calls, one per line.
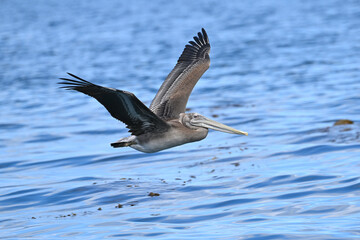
point(172, 97)
point(122, 105)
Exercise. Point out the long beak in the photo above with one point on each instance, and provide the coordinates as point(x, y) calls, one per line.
point(208, 123)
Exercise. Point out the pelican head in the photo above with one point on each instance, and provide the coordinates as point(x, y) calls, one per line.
point(195, 120)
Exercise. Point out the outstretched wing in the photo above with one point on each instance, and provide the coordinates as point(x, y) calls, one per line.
point(122, 105)
point(172, 97)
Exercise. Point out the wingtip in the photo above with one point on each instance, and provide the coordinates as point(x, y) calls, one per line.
point(199, 45)
point(79, 78)
point(70, 74)
point(61, 83)
point(202, 36)
point(205, 35)
point(197, 40)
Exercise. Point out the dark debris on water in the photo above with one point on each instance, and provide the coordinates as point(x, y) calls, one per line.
point(343, 122)
point(119, 206)
point(152, 194)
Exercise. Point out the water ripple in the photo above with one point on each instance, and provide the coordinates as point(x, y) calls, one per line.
point(320, 149)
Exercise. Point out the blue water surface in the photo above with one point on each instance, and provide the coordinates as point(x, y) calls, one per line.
point(284, 71)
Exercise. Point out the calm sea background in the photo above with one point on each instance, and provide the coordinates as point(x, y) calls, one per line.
point(284, 71)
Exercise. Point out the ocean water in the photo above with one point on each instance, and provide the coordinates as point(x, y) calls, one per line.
point(284, 71)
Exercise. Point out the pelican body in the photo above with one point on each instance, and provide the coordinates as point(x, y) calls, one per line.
point(164, 124)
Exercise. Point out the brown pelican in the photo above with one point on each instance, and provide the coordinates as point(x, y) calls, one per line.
point(165, 124)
